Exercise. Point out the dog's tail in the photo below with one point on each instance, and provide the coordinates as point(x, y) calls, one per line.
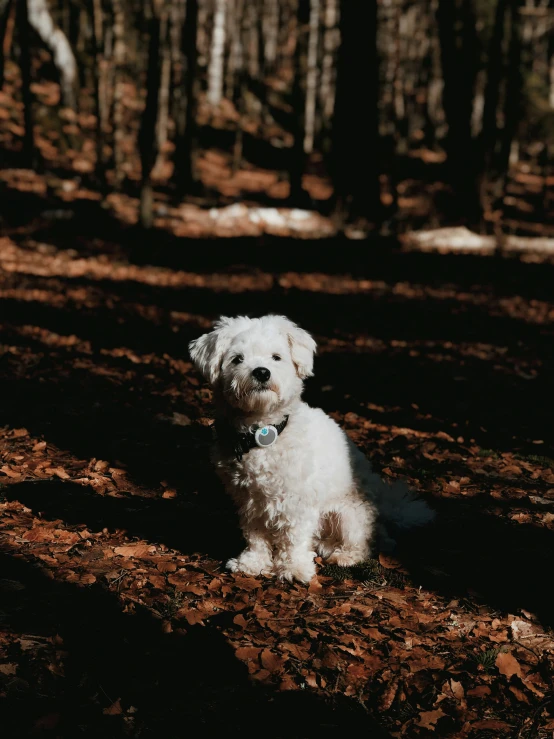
point(397, 506)
point(400, 507)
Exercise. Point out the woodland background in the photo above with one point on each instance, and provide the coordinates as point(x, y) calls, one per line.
point(376, 112)
point(167, 163)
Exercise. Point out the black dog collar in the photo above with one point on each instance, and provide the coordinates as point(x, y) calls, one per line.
point(242, 443)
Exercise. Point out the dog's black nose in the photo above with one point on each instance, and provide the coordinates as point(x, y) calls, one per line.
point(261, 373)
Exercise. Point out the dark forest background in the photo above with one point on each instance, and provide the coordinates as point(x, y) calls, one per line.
point(379, 113)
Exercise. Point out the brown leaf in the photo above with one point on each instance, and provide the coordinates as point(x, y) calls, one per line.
point(158, 581)
point(387, 698)
point(457, 689)
point(272, 661)
point(315, 586)
point(166, 566)
point(519, 694)
point(428, 719)
point(247, 654)
point(288, 683)
point(311, 680)
point(247, 583)
point(134, 550)
point(239, 620)
point(114, 710)
point(261, 675)
point(389, 563)
point(508, 665)
point(480, 691)
point(192, 615)
point(491, 724)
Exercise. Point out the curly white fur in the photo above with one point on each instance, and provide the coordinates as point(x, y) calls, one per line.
point(313, 490)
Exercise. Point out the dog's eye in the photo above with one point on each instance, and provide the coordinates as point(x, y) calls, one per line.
point(238, 359)
point(276, 357)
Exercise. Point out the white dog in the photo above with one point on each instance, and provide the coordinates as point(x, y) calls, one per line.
point(299, 483)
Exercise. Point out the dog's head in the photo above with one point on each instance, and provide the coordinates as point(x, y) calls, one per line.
point(256, 364)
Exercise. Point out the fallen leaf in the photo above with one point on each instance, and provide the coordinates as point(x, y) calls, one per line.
point(428, 719)
point(248, 653)
point(457, 689)
point(114, 710)
point(491, 724)
point(134, 550)
point(508, 665)
point(519, 694)
point(479, 691)
point(389, 563)
point(272, 661)
point(315, 586)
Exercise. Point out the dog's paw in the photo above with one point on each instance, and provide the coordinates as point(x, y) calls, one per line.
point(346, 558)
point(251, 564)
point(301, 570)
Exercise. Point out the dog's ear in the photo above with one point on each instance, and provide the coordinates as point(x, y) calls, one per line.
point(302, 347)
point(207, 351)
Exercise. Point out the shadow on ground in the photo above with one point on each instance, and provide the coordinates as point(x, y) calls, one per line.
point(168, 685)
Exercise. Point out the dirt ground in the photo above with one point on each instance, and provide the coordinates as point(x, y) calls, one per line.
point(116, 615)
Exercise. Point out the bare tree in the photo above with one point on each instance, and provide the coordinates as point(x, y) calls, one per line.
point(116, 65)
point(312, 76)
point(185, 117)
point(40, 18)
point(217, 51)
point(355, 139)
point(147, 135)
point(459, 55)
point(4, 15)
point(30, 153)
point(489, 129)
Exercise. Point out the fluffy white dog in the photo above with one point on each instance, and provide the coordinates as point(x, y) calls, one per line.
point(300, 485)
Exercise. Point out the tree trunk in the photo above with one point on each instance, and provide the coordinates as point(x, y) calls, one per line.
point(217, 55)
point(186, 116)
point(459, 68)
point(147, 134)
point(117, 112)
point(330, 44)
point(30, 154)
point(41, 20)
point(489, 131)
point(312, 75)
point(355, 135)
point(514, 84)
point(298, 195)
point(4, 15)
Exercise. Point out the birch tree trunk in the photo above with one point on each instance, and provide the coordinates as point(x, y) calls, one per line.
point(217, 52)
point(53, 37)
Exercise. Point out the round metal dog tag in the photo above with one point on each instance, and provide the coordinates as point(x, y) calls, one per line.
point(266, 436)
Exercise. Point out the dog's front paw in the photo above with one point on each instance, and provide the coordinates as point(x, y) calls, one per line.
point(347, 557)
point(300, 569)
point(251, 563)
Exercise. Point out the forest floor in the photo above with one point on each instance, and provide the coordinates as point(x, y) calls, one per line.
point(117, 617)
